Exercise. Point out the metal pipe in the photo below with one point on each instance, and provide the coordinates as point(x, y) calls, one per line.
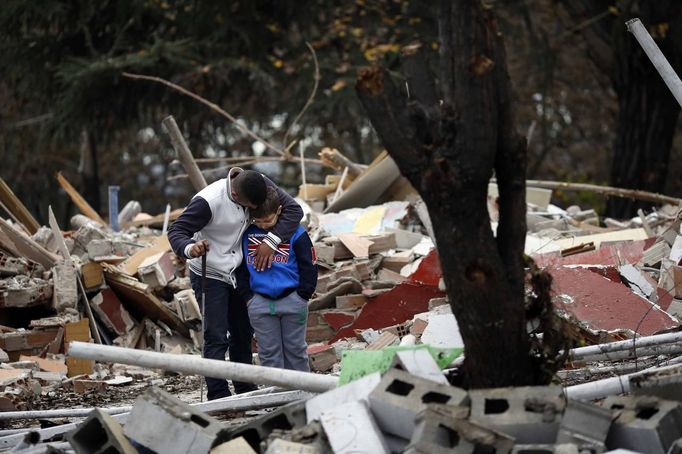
point(654, 53)
point(608, 386)
point(188, 364)
point(633, 345)
point(113, 207)
point(240, 402)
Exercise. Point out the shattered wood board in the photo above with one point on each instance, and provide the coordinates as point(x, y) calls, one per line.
point(79, 331)
point(157, 221)
point(130, 265)
point(603, 305)
point(18, 209)
point(395, 306)
point(27, 247)
point(141, 302)
point(358, 246)
point(78, 200)
point(607, 254)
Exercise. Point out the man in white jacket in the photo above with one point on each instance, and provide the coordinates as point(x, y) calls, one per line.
point(213, 224)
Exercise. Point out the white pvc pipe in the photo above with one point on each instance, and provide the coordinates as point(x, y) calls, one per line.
point(188, 364)
point(654, 53)
point(609, 386)
point(601, 350)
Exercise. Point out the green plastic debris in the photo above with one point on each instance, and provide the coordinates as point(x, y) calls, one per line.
point(359, 363)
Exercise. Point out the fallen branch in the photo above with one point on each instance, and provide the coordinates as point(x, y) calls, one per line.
point(208, 103)
point(606, 190)
point(287, 146)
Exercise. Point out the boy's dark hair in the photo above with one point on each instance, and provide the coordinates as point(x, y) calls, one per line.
point(269, 205)
point(252, 187)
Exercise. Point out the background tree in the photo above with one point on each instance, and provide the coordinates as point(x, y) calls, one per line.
point(447, 137)
point(647, 111)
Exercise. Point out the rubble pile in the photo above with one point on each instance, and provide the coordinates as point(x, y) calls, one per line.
point(379, 322)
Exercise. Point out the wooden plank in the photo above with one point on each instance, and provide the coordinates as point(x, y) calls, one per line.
point(140, 301)
point(78, 200)
point(18, 209)
point(358, 246)
point(59, 238)
point(27, 247)
point(157, 221)
point(130, 265)
point(79, 331)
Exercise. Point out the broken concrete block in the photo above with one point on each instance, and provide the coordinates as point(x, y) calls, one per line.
point(100, 433)
point(65, 287)
point(664, 383)
point(442, 331)
point(529, 414)
point(22, 291)
point(357, 390)
point(585, 423)
point(158, 270)
point(350, 302)
point(280, 446)
point(109, 309)
point(163, 423)
point(12, 266)
point(4, 357)
point(236, 446)
point(565, 448)
point(350, 429)
point(285, 418)
point(444, 428)
point(644, 423)
point(186, 305)
point(654, 254)
point(400, 396)
point(322, 357)
point(99, 248)
point(419, 362)
point(30, 342)
point(385, 339)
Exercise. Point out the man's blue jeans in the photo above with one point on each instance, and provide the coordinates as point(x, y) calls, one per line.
point(224, 312)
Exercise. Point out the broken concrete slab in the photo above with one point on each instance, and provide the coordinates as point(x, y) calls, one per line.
point(351, 429)
point(603, 305)
point(357, 390)
point(157, 271)
point(65, 287)
point(23, 291)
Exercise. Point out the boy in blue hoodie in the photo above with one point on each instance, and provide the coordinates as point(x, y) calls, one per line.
point(278, 297)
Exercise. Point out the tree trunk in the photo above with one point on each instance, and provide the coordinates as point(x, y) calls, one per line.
point(647, 118)
point(447, 145)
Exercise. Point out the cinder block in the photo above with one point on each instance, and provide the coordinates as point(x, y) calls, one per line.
point(566, 448)
point(529, 414)
point(665, 383)
point(445, 429)
point(187, 306)
point(644, 423)
point(419, 362)
point(286, 418)
point(357, 390)
point(351, 429)
point(163, 423)
point(585, 424)
point(158, 270)
point(100, 434)
point(400, 395)
point(99, 248)
point(110, 310)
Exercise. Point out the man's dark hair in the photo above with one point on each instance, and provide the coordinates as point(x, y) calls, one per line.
point(269, 205)
point(252, 187)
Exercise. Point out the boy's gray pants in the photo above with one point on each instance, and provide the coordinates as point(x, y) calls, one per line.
point(280, 328)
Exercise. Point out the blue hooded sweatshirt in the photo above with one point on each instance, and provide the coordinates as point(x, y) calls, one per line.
point(293, 267)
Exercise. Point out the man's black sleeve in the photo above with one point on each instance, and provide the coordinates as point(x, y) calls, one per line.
point(288, 220)
point(243, 283)
point(193, 219)
point(307, 269)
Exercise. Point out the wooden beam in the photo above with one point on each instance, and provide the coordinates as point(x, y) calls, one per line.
point(16, 208)
point(27, 247)
point(78, 200)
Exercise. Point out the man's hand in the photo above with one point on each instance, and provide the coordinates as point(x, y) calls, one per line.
point(199, 248)
point(264, 257)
